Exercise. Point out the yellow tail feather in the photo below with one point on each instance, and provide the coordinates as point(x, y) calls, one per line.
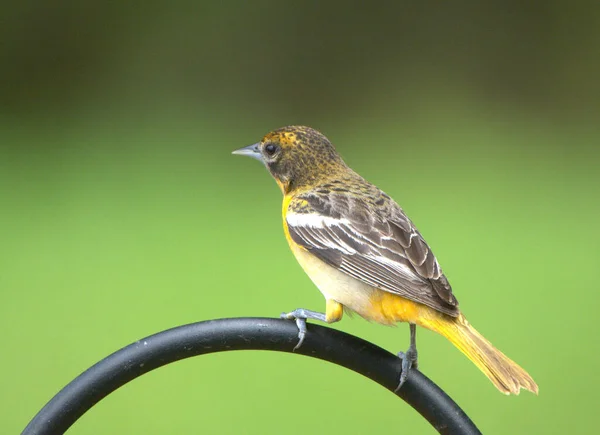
point(504, 373)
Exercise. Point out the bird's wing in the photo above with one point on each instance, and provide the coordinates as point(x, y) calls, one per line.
point(378, 245)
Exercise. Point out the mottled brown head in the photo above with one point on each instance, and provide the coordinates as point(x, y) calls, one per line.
point(296, 156)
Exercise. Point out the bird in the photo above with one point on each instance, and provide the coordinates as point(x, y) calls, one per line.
point(365, 255)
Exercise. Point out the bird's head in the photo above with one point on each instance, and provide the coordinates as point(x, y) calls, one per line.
point(296, 156)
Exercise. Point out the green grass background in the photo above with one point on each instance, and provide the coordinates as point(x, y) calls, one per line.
point(135, 228)
point(123, 213)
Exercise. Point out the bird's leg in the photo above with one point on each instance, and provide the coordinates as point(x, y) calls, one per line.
point(409, 358)
point(333, 313)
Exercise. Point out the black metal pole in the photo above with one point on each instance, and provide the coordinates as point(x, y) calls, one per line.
point(245, 334)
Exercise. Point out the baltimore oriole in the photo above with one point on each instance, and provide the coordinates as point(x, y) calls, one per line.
point(365, 255)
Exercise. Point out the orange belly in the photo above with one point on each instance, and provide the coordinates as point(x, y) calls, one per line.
point(389, 308)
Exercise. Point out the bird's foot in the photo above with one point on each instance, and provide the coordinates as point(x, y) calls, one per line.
point(409, 358)
point(409, 361)
point(300, 315)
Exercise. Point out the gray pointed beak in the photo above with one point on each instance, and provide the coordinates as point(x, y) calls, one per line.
point(250, 151)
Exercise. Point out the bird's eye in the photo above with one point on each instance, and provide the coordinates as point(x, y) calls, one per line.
point(271, 149)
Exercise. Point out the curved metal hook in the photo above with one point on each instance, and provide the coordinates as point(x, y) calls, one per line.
point(245, 334)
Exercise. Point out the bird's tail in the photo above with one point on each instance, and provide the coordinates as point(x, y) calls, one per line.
point(504, 373)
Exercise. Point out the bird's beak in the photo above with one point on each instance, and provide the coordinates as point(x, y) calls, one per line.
point(250, 151)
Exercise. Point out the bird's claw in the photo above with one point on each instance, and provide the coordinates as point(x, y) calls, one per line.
point(301, 323)
point(300, 315)
point(409, 361)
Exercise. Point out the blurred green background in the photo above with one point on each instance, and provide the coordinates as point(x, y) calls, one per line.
point(123, 213)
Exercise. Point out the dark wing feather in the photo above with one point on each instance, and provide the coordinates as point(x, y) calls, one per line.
point(377, 245)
